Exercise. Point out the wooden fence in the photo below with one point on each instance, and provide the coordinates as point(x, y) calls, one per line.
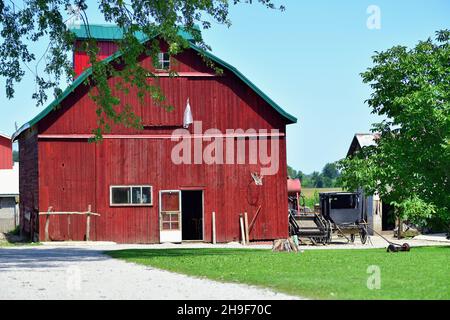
point(50, 212)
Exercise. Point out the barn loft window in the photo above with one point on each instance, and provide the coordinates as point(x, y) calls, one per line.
point(131, 196)
point(163, 61)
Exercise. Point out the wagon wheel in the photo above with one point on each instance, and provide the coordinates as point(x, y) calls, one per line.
point(363, 235)
point(330, 232)
point(329, 235)
point(352, 237)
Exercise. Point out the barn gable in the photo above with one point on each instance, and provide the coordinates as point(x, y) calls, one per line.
point(111, 33)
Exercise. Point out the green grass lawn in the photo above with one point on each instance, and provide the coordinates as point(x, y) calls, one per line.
point(18, 244)
point(423, 273)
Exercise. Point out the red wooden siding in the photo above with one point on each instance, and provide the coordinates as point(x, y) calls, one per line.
point(81, 59)
point(90, 169)
point(74, 173)
point(6, 161)
point(70, 186)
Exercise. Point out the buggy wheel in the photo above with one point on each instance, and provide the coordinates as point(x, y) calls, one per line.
point(363, 235)
point(352, 237)
point(329, 236)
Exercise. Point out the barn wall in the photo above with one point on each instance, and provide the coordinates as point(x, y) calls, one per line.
point(82, 173)
point(6, 161)
point(66, 183)
point(28, 182)
point(75, 173)
point(81, 59)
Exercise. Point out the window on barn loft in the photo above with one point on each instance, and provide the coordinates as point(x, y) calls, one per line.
point(163, 61)
point(131, 196)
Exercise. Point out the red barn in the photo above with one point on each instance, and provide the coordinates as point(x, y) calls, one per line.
point(143, 194)
point(6, 160)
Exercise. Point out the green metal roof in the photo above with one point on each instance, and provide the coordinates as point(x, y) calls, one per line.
point(108, 32)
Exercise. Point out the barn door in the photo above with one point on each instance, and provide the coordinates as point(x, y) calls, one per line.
point(170, 216)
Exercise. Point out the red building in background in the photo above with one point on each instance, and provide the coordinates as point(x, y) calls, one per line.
point(130, 179)
point(6, 160)
point(9, 186)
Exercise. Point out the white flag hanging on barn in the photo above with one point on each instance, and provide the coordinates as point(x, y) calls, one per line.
point(187, 119)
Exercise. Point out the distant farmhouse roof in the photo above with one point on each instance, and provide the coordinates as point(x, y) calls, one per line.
point(9, 181)
point(361, 140)
point(112, 32)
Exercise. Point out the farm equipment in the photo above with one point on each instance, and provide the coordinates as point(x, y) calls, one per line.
point(344, 211)
point(303, 223)
point(338, 212)
point(311, 226)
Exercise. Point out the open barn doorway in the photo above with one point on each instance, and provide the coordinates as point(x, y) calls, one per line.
point(388, 217)
point(192, 215)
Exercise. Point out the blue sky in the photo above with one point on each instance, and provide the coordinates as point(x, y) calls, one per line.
point(308, 59)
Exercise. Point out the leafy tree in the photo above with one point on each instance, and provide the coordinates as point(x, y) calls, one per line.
point(330, 171)
point(327, 182)
point(26, 22)
point(317, 179)
point(291, 172)
point(15, 155)
point(327, 179)
point(299, 175)
point(410, 165)
point(306, 182)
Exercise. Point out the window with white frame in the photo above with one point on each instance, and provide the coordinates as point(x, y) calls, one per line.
point(131, 195)
point(163, 61)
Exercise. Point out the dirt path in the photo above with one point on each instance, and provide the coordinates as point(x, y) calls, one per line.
point(86, 273)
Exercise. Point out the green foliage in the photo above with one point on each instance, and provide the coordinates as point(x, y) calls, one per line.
point(15, 155)
point(323, 274)
point(311, 201)
point(330, 171)
point(15, 231)
point(36, 20)
point(328, 178)
point(410, 165)
point(415, 210)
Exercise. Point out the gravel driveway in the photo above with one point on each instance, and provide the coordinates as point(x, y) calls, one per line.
point(86, 273)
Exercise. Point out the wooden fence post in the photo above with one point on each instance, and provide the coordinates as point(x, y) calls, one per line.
point(213, 227)
point(50, 212)
point(247, 233)
point(88, 223)
point(47, 224)
point(241, 222)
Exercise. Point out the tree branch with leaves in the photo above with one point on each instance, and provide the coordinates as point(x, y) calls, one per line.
point(26, 22)
point(410, 164)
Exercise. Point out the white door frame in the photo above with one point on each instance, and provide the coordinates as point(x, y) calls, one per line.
point(174, 236)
